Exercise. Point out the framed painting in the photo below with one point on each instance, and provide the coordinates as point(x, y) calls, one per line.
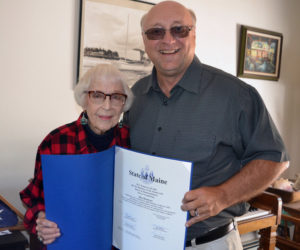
point(110, 32)
point(260, 54)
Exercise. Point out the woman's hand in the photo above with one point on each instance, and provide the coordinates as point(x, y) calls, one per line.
point(47, 231)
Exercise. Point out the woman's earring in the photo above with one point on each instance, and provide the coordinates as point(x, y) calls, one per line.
point(83, 119)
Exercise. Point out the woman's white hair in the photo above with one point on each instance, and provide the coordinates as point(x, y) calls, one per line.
point(104, 72)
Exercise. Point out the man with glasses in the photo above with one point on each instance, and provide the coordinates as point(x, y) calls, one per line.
point(191, 111)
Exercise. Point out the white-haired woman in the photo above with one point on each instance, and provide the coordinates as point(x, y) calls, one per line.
point(104, 95)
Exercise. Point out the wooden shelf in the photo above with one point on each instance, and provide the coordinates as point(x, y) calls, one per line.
point(266, 224)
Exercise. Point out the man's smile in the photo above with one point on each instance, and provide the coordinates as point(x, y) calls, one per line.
point(173, 51)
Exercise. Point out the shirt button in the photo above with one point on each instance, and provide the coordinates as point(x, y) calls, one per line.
point(165, 101)
point(159, 128)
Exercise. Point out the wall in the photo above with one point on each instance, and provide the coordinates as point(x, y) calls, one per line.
point(38, 54)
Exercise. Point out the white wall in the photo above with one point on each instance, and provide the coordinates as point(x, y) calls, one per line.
point(38, 54)
point(38, 51)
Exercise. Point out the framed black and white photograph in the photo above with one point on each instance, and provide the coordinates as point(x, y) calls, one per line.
point(110, 32)
point(260, 53)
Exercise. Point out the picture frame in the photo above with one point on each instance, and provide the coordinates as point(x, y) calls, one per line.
point(110, 32)
point(260, 54)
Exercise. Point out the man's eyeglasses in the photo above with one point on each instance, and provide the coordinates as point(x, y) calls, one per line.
point(176, 32)
point(98, 98)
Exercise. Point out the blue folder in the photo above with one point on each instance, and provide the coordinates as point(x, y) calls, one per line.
point(79, 198)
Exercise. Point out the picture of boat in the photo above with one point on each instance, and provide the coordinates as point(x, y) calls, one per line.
point(112, 34)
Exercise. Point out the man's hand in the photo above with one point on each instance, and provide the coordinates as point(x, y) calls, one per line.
point(253, 179)
point(202, 203)
point(47, 231)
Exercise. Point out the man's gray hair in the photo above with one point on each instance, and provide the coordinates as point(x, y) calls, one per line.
point(193, 15)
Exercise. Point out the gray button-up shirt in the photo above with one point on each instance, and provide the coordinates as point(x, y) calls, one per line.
point(212, 119)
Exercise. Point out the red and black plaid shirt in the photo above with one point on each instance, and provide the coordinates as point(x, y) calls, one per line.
point(67, 139)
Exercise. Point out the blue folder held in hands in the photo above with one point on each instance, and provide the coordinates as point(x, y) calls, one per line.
point(79, 198)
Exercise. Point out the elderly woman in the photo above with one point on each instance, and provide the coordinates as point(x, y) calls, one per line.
point(103, 95)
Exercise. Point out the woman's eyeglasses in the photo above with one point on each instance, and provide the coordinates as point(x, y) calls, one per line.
point(176, 32)
point(98, 98)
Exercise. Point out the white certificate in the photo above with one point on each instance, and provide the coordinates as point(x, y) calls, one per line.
point(148, 193)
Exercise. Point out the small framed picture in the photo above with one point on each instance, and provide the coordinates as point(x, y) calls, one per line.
point(110, 32)
point(260, 54)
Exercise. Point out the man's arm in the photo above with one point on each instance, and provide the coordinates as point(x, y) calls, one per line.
point(253, 178)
